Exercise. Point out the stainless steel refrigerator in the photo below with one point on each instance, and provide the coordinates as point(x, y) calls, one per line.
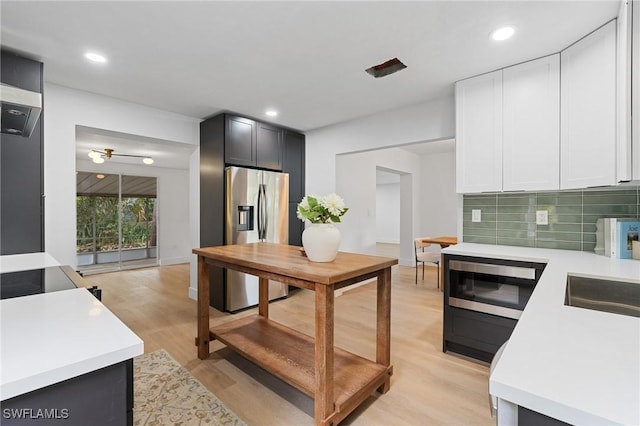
point(257, 209)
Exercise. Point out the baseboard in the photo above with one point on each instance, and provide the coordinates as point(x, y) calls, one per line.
point(173, 260)
point(385, 241)
point(193, 293)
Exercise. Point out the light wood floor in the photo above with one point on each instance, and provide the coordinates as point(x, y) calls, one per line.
point(428, 387)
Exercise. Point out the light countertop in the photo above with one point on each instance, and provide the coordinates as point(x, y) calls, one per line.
point(23, 262)
point(50, 337)
point(577, 365)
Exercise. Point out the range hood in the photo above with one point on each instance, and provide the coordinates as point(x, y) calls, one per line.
point(20, 110)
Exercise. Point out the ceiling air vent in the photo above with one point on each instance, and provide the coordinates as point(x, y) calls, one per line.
point(386, 68)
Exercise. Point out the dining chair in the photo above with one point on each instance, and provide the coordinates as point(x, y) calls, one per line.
point(425, 257)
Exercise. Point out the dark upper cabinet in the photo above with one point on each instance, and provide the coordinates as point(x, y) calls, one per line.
point(252, 143)
point(21, 169)
point(240, 141)
point(269, 147)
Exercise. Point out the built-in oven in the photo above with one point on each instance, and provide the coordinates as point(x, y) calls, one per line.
point(484, 298)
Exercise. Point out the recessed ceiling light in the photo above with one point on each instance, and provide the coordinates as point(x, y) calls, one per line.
point(95, 57)
point(147, 160)
point(502, 33)
point(100, 176)
point(271, 113)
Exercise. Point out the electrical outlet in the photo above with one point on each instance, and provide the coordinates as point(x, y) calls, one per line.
point(542, 217)
point(476, 215)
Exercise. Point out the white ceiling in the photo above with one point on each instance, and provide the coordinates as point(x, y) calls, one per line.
point(304, 58)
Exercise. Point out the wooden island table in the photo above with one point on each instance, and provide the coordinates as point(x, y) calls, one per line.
point(339, 381)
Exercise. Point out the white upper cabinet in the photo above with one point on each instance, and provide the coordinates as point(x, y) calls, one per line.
point(635, 95)
point(624, 171)
point(531, 111)
point(588, 111)
point(479, 133)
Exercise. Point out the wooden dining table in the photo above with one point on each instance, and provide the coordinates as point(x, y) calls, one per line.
point(442, 241)
point(338, 381)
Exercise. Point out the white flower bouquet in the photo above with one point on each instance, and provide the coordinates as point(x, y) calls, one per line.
point(321, 209)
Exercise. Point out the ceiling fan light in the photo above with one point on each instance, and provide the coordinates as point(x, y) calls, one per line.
point(147, 160)
point(94, 154)
point(98, 160)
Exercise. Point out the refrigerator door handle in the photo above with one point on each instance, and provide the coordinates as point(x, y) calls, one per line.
point(262, 212)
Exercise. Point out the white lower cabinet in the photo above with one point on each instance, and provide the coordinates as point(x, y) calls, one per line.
point(588, 111)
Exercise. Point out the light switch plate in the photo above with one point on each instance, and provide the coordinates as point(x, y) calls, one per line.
point(542, 217)
point(476, 215)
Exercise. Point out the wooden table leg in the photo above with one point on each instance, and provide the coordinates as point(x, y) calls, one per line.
point(383, 326)
point(203, 308)
point(263, 297)
point(323, 401)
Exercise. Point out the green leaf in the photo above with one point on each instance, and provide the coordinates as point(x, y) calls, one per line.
point(313, 202)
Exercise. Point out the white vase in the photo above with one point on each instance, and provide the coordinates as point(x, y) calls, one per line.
point(321, 242)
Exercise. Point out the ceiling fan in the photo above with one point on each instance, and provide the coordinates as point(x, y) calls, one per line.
point(98, 156)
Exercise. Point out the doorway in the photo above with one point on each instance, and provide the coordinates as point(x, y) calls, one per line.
point(387, 212)
point(116, 222)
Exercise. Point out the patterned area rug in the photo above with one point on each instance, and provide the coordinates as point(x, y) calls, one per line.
point(165, 393)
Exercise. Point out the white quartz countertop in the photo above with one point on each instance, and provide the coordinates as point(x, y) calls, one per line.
point(50, 337)
point(577, 365)
point(22, 262)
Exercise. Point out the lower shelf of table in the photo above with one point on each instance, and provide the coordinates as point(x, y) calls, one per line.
point(289, 355)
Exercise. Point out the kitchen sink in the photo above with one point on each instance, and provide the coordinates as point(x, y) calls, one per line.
point(600, 294)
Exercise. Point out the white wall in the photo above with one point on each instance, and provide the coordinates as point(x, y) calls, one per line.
point(417, 123)
point(174, 244)
point(356, 183)
point(438, 198)
point(65, 108)
point(424, 122)
point(388, 213)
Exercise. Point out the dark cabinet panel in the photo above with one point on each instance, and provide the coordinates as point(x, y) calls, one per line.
point(212, 158)
point(475, 334)
point(21, 72)
point(100, 397)
point(293, 163)
point(21, 169)
point(296, 226)
point(240, 141)
point(528, 417)
point(269, 147)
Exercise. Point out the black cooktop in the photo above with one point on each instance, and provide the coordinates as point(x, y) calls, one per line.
point(34, 281)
